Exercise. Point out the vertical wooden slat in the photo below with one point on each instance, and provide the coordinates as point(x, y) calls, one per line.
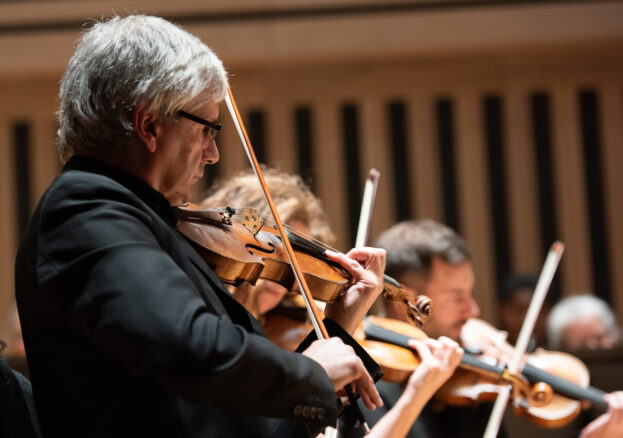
point(446, 142)
point(8, 230)
point(588, 102)
point(305, 142)
point(45, 164)
point(424, 159)
point(521, 177)
point(330, 169)
point(233, 158)
point(375, 153)
point(280, 136)
point(575, 265)
point(475, 217)
point(352, 175)
point(494, 125)
point(611, 110)
point(398, 137)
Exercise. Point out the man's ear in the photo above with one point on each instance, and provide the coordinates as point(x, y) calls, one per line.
point(145, 127)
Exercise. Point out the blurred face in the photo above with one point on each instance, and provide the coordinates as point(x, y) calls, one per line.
point(450, 287)
point(263, 297)
point(587, 333)
point(514, 311)
point(184, 148)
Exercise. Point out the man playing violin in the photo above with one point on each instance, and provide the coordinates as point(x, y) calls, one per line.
point(431, 258)
point(127, 330)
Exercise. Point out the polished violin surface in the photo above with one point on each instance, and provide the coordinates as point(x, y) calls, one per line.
point(568, 376)
point(549, 391)
point(235, 243)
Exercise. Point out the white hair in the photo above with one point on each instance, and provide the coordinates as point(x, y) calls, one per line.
point(124, 62)
point(572, 308)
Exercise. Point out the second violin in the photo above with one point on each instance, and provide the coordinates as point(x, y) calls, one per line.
point(545, 398)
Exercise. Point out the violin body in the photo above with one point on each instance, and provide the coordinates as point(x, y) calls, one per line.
point(236, 247)
point(549, 391)
point(396, 361)
point(566, 374)
point(239, 249)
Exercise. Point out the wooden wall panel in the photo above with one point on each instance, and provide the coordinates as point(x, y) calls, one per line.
point(281, 140)
point(521, 183)
point(330, 169)
point(427, 193)
point(376, 153)
point(575, 266)
point(45, 163)
point(8, 224)
point(474, 206)
point(611, 110)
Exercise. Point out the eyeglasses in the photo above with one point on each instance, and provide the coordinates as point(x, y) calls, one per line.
point(212, 128)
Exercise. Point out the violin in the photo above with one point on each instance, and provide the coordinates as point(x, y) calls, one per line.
point(239, 249)
point(287, 327)
point(567, 375)
point(540, 392)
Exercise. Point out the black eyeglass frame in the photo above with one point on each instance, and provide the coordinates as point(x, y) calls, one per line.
point(214, 127)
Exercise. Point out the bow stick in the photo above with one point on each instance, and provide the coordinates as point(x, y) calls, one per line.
point(542, 286)
point(367, 204)
point(319, 327)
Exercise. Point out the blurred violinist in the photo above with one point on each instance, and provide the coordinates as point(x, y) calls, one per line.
point(431, 258)
point(128, 332)
point(303, 212)
point(514, 299)
point(585, 322)
point(582, 322)
point(297, 207)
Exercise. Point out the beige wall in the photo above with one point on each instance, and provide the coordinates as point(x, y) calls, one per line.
point(331, 52)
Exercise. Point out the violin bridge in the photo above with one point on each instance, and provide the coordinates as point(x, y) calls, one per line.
point(248, 217)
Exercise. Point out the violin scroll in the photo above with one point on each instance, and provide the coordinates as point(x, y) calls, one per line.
point(418, 309)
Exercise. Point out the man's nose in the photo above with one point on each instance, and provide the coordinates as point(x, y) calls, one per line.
point(210, 153)
point(473, 309)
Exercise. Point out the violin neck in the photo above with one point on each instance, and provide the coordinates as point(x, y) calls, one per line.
point(564, 387)
point(377, 333)
point(470, 362)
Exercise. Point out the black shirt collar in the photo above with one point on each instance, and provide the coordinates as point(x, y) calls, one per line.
point(152, 197)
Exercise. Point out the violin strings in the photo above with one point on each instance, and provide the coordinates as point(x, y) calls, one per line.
point(309, 237)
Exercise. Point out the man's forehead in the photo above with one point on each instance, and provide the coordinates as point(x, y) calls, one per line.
point(451, 278)
point(413, 279)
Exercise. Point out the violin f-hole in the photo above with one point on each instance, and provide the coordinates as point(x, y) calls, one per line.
point(270, 250)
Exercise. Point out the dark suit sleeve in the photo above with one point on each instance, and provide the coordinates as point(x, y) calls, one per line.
point(134, 302)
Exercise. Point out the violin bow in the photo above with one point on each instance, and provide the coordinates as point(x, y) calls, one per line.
point(367, 205)
point(319, 327)
point(545, 279)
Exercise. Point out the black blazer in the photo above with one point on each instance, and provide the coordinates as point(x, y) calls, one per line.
point(129, 333)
